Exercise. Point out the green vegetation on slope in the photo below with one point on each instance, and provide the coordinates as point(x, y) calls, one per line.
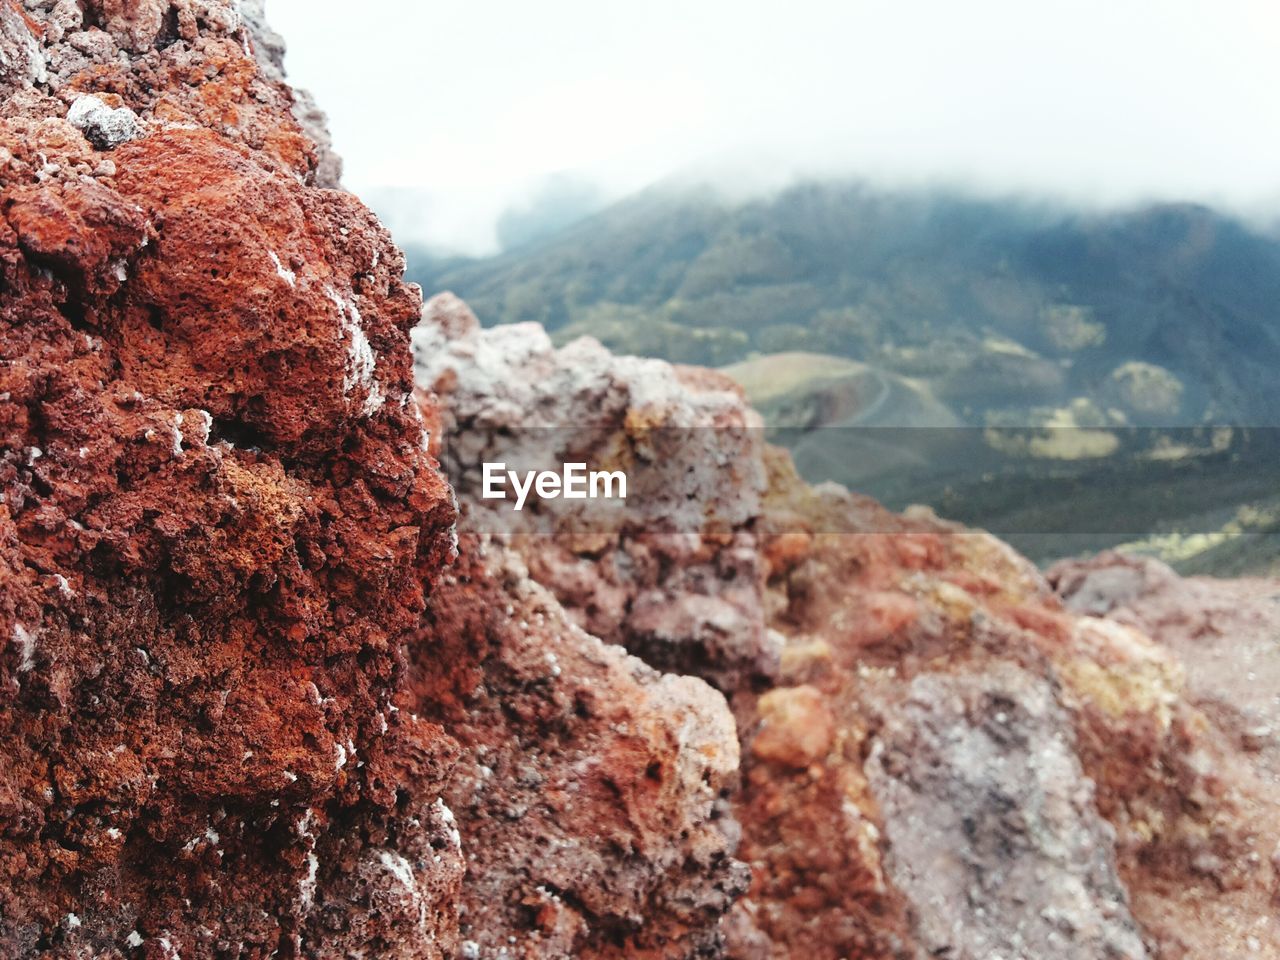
point(1166, 314)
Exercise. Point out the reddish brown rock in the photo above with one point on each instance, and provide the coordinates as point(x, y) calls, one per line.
point(950, 761)
point(591, 796)
point(1224, 634)
point(795, 729)
point(232, 732)
point(218, 524)
point(983, 735)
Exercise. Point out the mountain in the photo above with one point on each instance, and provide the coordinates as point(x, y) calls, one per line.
point(1005, 309)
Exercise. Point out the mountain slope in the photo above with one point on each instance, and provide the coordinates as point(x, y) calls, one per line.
point(1160, 315)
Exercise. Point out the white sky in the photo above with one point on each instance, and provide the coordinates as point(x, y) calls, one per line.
point(473, 102)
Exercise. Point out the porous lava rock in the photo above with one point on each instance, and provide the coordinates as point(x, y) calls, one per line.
point(218, 524)
point(591, 791)
point(674, 575)
point(945, 760)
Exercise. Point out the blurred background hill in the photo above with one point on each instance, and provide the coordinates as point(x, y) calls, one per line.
point(974, 354)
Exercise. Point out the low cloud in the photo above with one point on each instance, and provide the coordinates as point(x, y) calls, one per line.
point(470, 107)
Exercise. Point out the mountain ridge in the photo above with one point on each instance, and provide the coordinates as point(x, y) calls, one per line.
point(1040, 302)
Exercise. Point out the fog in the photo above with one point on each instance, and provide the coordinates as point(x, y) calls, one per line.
point(449, 113)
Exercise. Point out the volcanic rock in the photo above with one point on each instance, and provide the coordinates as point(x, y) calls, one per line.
point(218, 525)
point(675, 577)
point(102, 126)
point(948, 762)
point(1224, 634)
point(590, 795)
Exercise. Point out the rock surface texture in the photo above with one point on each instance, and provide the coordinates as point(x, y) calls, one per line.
point(272, 685)
point(675, 576)
point(218, 523)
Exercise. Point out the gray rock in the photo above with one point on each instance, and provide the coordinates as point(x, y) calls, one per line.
point(674, 574)
point(21, 62)
point(993, 834)
point(102, 126)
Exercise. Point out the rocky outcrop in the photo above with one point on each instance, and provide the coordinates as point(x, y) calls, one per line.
point(273, 683)
point(218, 523)
point(980, 731)
point(590, 790)
point(235, 729)
point(947, 760)
point(674, 574)
point(1224, 635)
